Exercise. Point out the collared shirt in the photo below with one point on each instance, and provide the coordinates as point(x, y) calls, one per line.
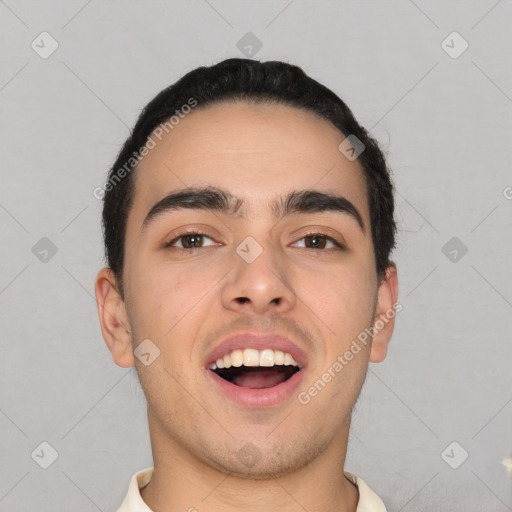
point(133, 502)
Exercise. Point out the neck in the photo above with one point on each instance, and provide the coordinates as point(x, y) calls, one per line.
point(181, 481)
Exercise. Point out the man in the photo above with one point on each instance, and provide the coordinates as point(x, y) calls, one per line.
point(248, 225)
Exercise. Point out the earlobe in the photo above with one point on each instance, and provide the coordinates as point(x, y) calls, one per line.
point(385, 312)
point(113, 318)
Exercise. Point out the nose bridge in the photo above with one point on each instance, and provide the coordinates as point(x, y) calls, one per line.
point(259, 277)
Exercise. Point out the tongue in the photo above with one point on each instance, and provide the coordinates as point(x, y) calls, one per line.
point(264, 378)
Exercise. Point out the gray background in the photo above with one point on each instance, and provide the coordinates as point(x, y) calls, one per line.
point(446, 123)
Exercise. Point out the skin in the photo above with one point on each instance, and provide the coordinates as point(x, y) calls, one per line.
point(186, 303)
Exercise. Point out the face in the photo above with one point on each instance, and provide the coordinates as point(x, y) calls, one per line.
point(298, 287)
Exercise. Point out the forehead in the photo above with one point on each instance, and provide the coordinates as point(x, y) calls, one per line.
point(255, 151)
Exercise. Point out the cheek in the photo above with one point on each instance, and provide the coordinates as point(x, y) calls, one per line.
point(167, 296)
point(343, 291)
point(158, 299)
point(343, 300)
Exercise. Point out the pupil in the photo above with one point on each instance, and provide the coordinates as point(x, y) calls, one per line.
point(318, 242)
point(195, 239)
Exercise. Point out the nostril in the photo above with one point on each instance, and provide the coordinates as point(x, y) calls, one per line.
point(242, 300)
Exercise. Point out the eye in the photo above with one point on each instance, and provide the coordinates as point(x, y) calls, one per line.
point(189, 240)
point(195, 240)
point(319, 241)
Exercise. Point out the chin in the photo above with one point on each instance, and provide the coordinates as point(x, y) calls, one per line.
point(257, 463)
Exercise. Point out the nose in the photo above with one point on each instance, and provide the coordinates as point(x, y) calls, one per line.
point(259, 285)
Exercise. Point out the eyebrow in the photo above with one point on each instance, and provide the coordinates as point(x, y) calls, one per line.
point(215, 199)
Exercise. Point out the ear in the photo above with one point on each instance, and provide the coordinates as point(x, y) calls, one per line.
point(113, 319)
point(385, 312)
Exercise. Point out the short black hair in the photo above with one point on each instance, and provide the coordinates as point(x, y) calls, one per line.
point(254, 82)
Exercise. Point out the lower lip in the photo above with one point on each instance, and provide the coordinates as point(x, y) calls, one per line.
point(258, 398)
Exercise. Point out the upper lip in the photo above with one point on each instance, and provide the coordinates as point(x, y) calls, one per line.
point(258, 341)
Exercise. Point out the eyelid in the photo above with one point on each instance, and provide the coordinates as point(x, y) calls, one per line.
point(336, 237)
point(337, 244)
point(178, 233)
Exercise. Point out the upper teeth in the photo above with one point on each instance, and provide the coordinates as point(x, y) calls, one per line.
point(253, 357)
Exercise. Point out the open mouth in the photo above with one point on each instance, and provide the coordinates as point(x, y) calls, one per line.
point(257, 377)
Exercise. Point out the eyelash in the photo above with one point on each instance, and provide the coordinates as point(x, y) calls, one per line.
point(337, 244)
